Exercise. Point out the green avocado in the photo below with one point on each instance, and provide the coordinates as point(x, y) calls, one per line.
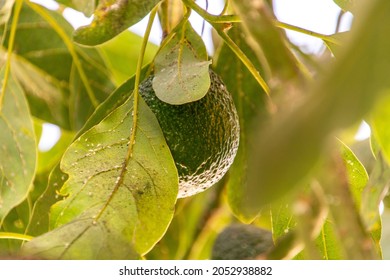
point(203, 135)
point(241, 242)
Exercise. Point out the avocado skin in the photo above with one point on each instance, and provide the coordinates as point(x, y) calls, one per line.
point(241, 242)
point(203, 135)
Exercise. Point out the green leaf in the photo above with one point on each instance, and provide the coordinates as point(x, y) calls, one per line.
point(56, 94)
point(346, 5)
point(379, 121)
point(39, 221)
point(181, 68)
point(99, 82)
point(358, 244)
point(356, 174)
point(35, 66)
point(249, 100)
point(119, 208)
point(115, 100)
point(367, 192)
point(170, 14)
point(15, 222)
point(46, 95)
point(268, 41)
point(85, 6)
point(289, 147)
point(328, 243)
point(336, 42)
point(282, 220)
point(40, 218)
point(374, 193)
point(111, 17)
point(18, 153)
point(121, 55)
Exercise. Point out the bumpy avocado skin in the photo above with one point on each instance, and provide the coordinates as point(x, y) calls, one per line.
point(203, 136)
point(241, 242)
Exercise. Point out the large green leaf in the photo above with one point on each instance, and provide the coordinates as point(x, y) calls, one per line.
point(112, 17)
point(121, 207)
point(249, 100)
point(18, 153)
point(181, 68)
point(40, 217)
point(290, 146)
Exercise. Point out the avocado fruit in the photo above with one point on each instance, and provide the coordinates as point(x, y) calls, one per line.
point(242, 242)
point(203, 136)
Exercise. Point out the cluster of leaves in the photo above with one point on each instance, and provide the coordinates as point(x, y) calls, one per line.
point(108, 188)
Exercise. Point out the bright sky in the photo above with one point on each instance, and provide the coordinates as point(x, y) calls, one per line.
point(316, 15)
